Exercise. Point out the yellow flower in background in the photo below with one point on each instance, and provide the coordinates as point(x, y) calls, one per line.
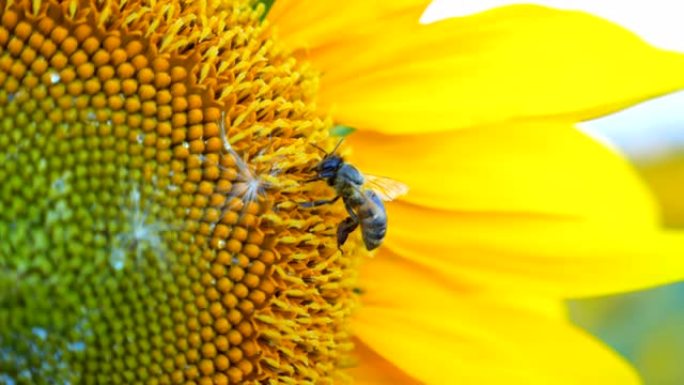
point(664, 176)
point(153, 156)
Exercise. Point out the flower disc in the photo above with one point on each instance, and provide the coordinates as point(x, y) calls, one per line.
point(151, 157)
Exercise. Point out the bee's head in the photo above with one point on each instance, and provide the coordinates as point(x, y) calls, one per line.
point(328, 167)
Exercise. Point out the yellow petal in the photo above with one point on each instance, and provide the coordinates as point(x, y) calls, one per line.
point(443, 336)
point(518, 62)
point(373, 369)
point(313, 24)
point(544, 167)
point(551, 255)
point(440, 288)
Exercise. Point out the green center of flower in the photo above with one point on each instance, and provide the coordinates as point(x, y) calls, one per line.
point(151, 158)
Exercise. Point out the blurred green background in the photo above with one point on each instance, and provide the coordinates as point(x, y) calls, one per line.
point(647, 327)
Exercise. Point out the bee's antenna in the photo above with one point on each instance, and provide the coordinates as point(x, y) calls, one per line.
point(326, 152)
point(319, 149)
point(337, 146)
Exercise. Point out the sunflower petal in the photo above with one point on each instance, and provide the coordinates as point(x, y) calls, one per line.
point(312, 24)
point(517, 62)
point(474, 339)
point(545, 167)
point(552, 255)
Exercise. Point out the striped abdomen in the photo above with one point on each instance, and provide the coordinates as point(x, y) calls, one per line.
point(373, 219)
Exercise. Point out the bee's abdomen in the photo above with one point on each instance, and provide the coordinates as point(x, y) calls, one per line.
point(373, 219)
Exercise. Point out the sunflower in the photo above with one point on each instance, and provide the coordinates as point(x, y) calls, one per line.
point(155, 158)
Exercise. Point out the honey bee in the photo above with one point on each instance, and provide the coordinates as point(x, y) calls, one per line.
point(363, 197)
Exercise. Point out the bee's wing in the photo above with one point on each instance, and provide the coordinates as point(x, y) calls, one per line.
point(386, 188)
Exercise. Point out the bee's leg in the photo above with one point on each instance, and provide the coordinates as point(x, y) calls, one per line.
point(346, 226)
point(351, 212)
point(319, 203)
point(344, 229)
